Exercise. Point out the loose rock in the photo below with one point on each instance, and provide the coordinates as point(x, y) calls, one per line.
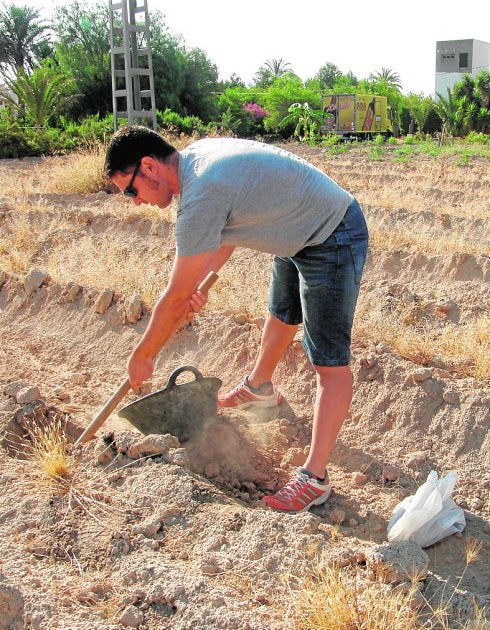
point(400, 561)
point(131, 617)
point(103, 301)
point(34, 279)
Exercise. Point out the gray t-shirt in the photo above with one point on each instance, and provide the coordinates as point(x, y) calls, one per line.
point(249, 194)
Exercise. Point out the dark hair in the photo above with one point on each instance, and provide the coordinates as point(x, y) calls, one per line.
point(130, 144)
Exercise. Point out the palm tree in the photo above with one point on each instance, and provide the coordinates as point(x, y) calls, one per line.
point(482, 83)
point(483, 120)
point(40, 95)
point(22, 37)
point(278, 67)
point(449, 112)
point(465, 88)
point(388, 77)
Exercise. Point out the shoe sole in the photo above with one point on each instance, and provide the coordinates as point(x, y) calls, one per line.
point(260, 404)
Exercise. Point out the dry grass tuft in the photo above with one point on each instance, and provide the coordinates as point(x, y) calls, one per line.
point(47, 447)
point(440, 607)
point(465, 347)
point(108, 264)
point(80, 172)
point(332, 598)
point(335, 599)
point(424, 240)
point(51, 469)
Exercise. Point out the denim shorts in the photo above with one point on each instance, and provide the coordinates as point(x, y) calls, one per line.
point(318, 287)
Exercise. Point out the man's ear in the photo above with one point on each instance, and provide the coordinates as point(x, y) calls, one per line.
point(149, 165)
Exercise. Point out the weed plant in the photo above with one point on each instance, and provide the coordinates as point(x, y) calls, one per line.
point(344, 599)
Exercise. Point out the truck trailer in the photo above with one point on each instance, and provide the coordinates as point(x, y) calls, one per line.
point(356, 115)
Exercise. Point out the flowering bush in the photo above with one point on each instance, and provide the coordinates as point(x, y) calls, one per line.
point(256, 112)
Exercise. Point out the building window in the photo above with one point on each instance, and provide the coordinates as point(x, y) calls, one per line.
point(463, 60)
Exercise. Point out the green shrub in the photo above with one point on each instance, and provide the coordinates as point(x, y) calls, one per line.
point(379, 139)
point(392, 140)
point(477, 137)
point(376, 153)
point(409, 139)
point(174, 122)
point(330, 140)
point(91, 130)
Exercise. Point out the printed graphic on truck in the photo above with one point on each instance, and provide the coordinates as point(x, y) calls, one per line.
point(353, 114)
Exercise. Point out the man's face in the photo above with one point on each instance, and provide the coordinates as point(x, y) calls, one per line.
point(151, 181)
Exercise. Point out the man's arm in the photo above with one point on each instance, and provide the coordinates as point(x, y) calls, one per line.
point(171, 308)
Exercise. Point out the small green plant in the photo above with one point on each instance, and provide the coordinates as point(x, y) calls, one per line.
point(476, 137)
point(376, 153)
point(379, 139)
point(338, 149)
point(403, 154)
point(409, 139)
point(392, 140)
point(330, 140)
point(464, 159)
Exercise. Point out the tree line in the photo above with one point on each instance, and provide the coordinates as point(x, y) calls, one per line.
point(59, 72)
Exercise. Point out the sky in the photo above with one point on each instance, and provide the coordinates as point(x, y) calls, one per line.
point(239, 37)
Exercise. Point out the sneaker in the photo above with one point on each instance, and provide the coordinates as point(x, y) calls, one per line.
point(299, 494)
point(244, 397)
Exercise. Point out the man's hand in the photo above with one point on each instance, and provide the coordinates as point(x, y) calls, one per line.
point(140, 369)
point(197, 303)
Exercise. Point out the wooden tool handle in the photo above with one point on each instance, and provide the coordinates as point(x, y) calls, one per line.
point(208, 281)
point(105, 412)
point(125, 386)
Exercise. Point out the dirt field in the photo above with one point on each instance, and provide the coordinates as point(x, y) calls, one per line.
point(151, 533)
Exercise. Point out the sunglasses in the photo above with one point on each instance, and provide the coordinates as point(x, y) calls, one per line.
point(130, 190)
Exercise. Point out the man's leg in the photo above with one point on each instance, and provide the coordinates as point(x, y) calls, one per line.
point(256, 390)
point(333, 399)
point(276, 337)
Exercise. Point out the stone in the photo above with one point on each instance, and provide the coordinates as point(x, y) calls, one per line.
point(390, 473)
point(417, 458)
point(420, 375)
point(27, 395)
point(396, 562)
point(450, 397)
point(131, 617)
point(34, 279)
point(3, 278)
point(11, 389)
point(446, 307)
point(103, 301)
point(135, 309)
point(77, 378)
point(369, 360)
point(359, 478)
point(71, 292)
point(152, 444)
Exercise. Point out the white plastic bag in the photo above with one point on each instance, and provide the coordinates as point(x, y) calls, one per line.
point(429, 515)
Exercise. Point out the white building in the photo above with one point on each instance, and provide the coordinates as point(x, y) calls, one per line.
point(457, 57)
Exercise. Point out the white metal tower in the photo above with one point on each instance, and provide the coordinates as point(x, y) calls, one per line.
point(133, 88)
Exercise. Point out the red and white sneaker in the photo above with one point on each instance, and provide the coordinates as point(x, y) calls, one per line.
point(299, 494)
point(243, 397)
